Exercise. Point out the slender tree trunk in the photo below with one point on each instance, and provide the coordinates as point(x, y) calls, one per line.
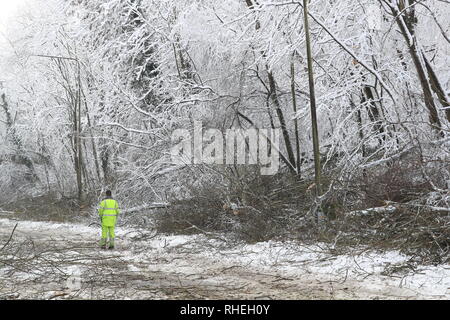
point(294, 106)
point(73, 94)
point(406, 22)
point(437, 88)
point(360, 127)
point(77, 122)
point(276, 102)
point(94, 147)
point(315, 131)
point(274, 97)
point(373, 112)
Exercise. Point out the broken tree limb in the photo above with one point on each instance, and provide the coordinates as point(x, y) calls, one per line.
point(6, 212)
point(154, 205)
point(10, 237)
point(365, 212)
point(392, 207)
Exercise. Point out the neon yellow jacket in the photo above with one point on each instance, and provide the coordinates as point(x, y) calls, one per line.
point(108, 211)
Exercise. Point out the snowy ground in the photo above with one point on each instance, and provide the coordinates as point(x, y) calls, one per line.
point(61, 261)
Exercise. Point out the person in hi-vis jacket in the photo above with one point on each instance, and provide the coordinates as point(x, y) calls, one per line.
point(108, 212)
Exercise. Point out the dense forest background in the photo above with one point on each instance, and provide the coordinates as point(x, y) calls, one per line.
point(91, 92)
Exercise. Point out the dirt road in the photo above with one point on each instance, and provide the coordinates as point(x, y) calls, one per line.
point(62, 261)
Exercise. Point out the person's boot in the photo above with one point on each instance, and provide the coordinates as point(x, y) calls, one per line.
point(103, 244)
point(111, 244)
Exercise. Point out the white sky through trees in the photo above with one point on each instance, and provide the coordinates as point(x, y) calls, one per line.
point(7, 9)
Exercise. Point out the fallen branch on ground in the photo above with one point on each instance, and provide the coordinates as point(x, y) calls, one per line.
point(10, 237)
point(154, 205)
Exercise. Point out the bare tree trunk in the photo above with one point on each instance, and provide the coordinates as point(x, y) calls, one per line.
point(315, 131)
point(406, 20)
point(294, 106)
point(276, 102)
point(78, 136)
point(360, 127)
point(94, 147)
point(373, 112)
point(437, 88)
point(74, 101)
point(269, 142)
point(290, 161)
